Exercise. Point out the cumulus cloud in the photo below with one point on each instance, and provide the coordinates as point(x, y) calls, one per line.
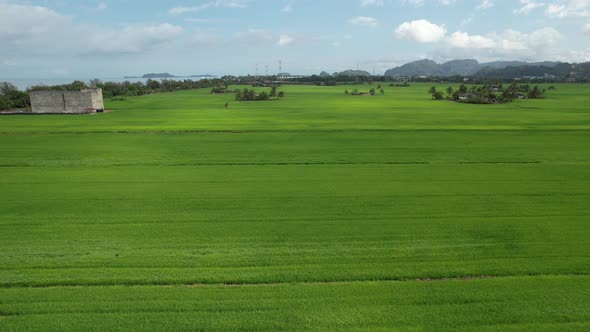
point(464, 40)
point(364, 20)
point(31, 30)
point(570, 8)
point(28, 24)
point(421, 31)
point(575, 56)
point(508, 44)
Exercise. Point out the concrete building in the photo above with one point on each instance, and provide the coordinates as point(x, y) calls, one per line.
point(67, 102)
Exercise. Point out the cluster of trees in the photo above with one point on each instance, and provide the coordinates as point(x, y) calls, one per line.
point(488, 94)
point(12, 98)
point(222, 89)
point(371, 92)
point(399, 85)
point(252, 95)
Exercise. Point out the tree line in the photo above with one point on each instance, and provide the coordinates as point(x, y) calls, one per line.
point(371, 92)
point(489, 94)
point(252, 95)
point(12, 98)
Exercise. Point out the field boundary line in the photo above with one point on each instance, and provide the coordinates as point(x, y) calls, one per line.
point(294, 283)
point(286, 131)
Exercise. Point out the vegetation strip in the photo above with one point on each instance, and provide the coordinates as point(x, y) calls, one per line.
point(336, 282)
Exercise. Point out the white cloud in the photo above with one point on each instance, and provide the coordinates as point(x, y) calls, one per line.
point(101, 6)
point(24, 24)
point(285, 40)
point(368, 3)
point(586, 28)
point(486, 4)
point(31, 30)
point(510, 44)
point(421, 31)
point(464, 40)
point(527, 6)
point(364, 20)
point(569, 8)
point(336, 44)
point(261, 37)
point(211, 4)
point(575, 56)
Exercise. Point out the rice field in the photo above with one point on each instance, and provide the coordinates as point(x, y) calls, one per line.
point(317, 212)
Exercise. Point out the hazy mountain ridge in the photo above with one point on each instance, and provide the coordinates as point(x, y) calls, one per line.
point(353, 73)
point(465, 67)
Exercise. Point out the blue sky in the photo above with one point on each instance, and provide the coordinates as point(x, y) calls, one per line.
point(66, 38)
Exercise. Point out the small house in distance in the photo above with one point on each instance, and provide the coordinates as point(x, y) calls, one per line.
point(67, 102)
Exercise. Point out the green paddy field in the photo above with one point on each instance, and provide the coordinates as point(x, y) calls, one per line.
point(317, 212)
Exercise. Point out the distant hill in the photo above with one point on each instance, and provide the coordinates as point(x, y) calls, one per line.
point(467, 67)
point(324, 74)
point(353, 73)
point(158, 75)
point(575, 72)
point(417, 68)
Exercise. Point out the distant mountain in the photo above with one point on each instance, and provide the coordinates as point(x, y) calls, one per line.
point(579, 72)
point(158, 75)
point(467, 67)
point(416, 68)
point(353, 73)
point(460, 67)
point(324, 74)
point(505, 64)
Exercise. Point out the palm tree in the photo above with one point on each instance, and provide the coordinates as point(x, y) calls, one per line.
point(450, 90)
point(432, 90)
point(462, 88)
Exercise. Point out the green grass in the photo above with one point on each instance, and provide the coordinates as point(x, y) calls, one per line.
point(321, 211)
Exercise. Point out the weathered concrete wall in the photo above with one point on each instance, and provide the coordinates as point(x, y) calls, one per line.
point(71, 102)
point(47, 102)
point(96, 97)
